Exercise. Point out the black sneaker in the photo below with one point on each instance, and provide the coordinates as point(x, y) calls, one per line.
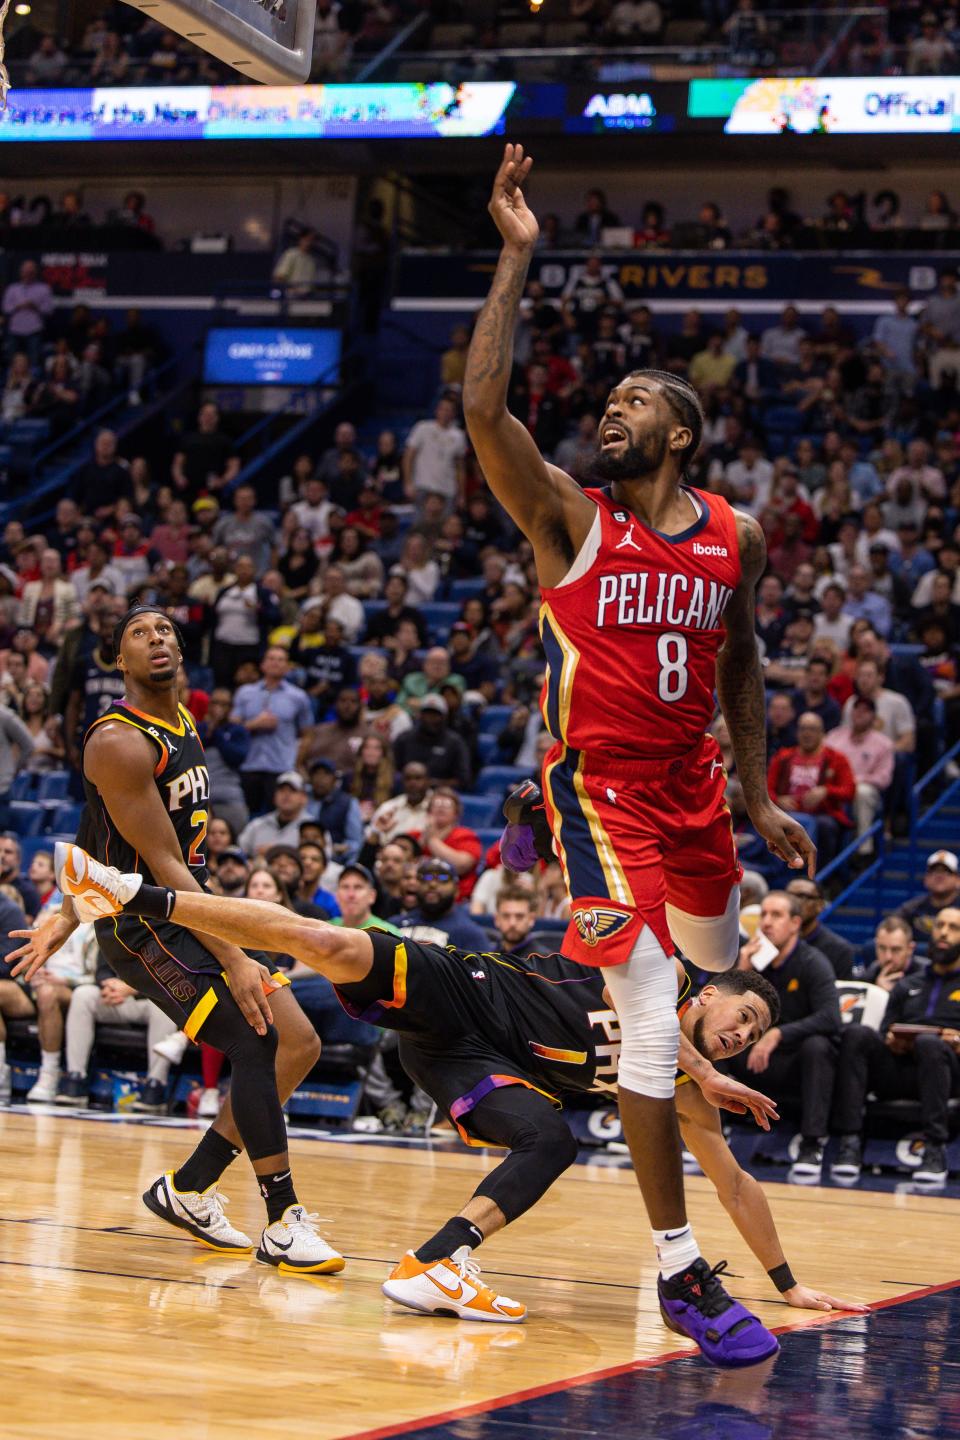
point(152, 1099)
point(74, 1092)
point(849, 1161)
point(933, 1164)
point(809, 1159)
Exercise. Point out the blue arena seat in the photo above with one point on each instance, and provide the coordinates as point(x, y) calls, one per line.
point(479, 810)
point(461, 590)
point(439, 616)
point(492, 720)
point(66, 817)
point(487, 749)
point(24, 786)
point(54, 785)
point(26, 817)
point(498, 779)
point(31, 845)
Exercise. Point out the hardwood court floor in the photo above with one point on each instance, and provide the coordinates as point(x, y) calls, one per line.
point(111, 1325)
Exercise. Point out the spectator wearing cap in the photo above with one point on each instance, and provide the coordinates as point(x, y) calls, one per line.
point(405, 814)
point(871, 757)
point(432, 743)
point(383, 622)
point(226, 744)
point(810, 778)
point(941, 882)
point(336, 1022)
point(895, 715)
point(274, 713)
point(838, 951)
point(286, 865)
point(447, 839)
point(338, 812)
point(338, 740)
point(233, 871)
point(863, 603)
point(282, 825)
point(437, 918)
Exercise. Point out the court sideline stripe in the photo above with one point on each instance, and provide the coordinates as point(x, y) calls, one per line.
point(552, 1387)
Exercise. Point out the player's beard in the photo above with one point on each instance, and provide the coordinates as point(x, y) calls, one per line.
point(943, 956)
point(698, 1037)
point(163, 679)
point(633, 462)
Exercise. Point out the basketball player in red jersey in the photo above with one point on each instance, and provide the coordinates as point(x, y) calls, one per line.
point(648, 598)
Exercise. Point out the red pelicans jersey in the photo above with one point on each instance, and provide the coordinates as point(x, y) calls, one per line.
point(631, 635)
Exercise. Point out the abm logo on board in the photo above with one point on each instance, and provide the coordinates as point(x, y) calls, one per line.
point(621, 111)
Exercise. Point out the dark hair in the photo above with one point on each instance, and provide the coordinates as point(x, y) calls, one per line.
point(132, 613)
point(740, 982)
point(683, 401)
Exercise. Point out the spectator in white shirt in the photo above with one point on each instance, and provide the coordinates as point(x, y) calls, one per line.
point(926, 481)
point(297, 269)
point(831, 623)
point(433, 458)
point(341, 605)
point(895, 717)
point(750, 477)
point(27, 304)
point(781, 343)
point(312, 511)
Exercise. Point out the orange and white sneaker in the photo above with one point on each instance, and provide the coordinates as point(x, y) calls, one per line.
point(97, 891)
point(450, 1287)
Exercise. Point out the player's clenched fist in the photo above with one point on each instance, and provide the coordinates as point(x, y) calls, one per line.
point(511, 214)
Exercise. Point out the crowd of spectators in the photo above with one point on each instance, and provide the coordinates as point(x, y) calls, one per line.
point(359, 655)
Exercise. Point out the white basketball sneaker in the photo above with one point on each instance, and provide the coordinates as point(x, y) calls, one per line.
point(199, 1212)
point(294, 1244)
point(172, 1047)
point(97, 891)
point(450, 1287)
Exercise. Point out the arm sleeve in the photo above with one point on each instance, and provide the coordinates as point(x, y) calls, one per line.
point(824, 1014)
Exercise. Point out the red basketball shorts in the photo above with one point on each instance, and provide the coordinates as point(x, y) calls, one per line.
point(634, 836)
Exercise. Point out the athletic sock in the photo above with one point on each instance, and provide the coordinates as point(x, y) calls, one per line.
point(3, 1053)
point(278, 1192)
point(207, 1163)
point(49, 1062)
point(154, 902)
point(676, 1250)
point(450, 1237)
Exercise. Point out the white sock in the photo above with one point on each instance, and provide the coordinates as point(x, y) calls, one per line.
point(676, 1250)
point(3, 1053)
point(50, 1062)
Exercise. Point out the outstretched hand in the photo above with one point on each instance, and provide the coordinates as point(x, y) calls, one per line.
point(725, 1093)
point(801, 1298)
point(786, 838)
point(39, 944)
point(511, 215)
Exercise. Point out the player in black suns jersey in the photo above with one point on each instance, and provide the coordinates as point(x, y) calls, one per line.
point(148, 807)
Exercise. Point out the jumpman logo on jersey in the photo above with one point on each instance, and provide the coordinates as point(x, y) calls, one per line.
point(626, 540)
point(715, 765)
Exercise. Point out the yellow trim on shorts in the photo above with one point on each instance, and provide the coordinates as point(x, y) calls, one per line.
point(200, 1014)
point(613, 871)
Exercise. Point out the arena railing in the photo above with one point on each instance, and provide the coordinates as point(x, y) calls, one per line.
point(919, 822)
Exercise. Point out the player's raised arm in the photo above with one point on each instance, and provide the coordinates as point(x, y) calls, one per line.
point(743, 702)
point(544, 501)
point(744, 1201)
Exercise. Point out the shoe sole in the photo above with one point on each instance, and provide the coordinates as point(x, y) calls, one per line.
point(449, 1312)
point(149, 1109)
point(744, 1364)
point(806, 1169)
point(333, 1266)
point(846, 1172)
point(931, 1177)
point(71, 1104)
point(153, 1204)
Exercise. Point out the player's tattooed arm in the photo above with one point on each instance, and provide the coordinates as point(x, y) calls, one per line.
point(743, 703)
point(547, 505)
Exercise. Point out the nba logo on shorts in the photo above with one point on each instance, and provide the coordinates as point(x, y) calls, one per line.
point(599, 922)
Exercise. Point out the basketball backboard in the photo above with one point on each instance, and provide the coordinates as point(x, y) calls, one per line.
point(267, 40)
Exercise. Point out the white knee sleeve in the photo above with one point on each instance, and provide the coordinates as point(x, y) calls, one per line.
point(711, 942)
point(644, 993)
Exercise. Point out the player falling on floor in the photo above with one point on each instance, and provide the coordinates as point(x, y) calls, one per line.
point(648, 596)
point(147, 793)
point(493, 1039)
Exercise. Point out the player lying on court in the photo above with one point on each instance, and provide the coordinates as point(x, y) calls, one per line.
point(494, 1040)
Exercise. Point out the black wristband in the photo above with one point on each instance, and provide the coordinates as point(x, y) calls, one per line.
point(782, 1277)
